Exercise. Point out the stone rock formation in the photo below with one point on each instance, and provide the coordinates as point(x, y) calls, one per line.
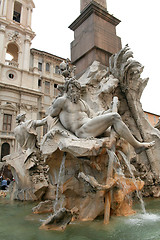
point(30, 175)
point(58, 221)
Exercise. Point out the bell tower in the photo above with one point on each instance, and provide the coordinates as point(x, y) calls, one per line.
point(16, 33)
point(94, 35)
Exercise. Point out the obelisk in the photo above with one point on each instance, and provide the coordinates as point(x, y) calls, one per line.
point(94, 35)
point(84, 3)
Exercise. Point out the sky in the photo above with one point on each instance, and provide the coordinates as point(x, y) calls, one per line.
point(139, 28)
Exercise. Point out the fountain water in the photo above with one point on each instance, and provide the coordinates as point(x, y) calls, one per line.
point(117, 167)
point(134, 180)
point(60, 183)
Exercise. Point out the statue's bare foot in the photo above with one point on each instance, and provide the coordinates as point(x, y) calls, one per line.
point(144, 146)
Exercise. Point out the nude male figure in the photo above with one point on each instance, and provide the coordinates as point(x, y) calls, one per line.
point(76, 116)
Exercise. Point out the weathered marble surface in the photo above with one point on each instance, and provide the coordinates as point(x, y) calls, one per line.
point(30, 175)
point(59, 138)
point(58, 221)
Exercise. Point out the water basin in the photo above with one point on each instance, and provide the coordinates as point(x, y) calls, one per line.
point(17, 222)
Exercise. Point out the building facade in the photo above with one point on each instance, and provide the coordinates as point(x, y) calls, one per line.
point(28, 77)
point(152, 118)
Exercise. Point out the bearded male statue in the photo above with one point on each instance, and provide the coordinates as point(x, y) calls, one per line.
point(76, 116)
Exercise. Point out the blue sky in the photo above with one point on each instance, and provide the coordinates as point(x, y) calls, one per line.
point(139, 28)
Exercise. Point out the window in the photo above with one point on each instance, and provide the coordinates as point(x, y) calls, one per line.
point(47, 67)
point(11, 75)
point(57, 70)
point(17, 12)
point(47, 87)
point(7, 121)
point(55, 90)
point(5, 150)
point(16, 16)
point(12, 54)
point(40, 66)
point(39, 82)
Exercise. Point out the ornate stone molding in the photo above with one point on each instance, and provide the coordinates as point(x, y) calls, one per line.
point(14, 36)
point(27, 107)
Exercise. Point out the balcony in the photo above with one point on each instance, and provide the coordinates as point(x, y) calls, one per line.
point(12, 63)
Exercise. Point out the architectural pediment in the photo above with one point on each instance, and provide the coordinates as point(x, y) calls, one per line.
point(31, 2)
point(8, 106)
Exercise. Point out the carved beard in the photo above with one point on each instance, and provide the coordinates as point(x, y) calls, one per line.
point(74, 97)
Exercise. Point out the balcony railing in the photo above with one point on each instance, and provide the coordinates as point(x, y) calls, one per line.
point(12, 63)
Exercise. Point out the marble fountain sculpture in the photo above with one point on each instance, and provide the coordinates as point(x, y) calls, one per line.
point(98, 150)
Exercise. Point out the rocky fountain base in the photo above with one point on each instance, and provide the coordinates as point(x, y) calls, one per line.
point(74, 185)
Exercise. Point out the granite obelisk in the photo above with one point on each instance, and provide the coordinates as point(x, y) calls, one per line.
point(84, 3)
point(94, 35)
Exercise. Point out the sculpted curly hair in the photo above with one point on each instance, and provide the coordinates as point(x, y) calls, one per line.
point(74, 82)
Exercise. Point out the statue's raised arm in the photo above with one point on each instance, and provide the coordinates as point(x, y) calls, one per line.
point(25, 132)
point(57, 106)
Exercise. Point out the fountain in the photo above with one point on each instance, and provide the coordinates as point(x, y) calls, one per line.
point(89, 147)
point(60, 182)
point(134, 180)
